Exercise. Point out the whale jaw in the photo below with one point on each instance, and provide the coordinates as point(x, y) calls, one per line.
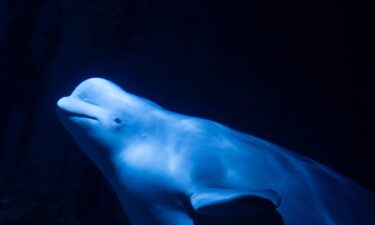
point(71, 107)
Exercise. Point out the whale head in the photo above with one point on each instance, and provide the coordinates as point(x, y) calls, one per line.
point(99, 114)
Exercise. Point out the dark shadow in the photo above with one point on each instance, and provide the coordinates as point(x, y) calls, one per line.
point(270, 218)
point(244, 211)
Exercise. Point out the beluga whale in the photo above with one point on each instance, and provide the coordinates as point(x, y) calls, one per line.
point(172, 169)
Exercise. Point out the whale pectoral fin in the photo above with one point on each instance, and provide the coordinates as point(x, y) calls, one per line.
point(215, 206)
point(216, 201)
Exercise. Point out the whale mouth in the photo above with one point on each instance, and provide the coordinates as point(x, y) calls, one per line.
point(70, 114)
point(73, 108)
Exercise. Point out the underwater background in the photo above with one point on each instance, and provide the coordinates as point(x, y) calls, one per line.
point(297, 73)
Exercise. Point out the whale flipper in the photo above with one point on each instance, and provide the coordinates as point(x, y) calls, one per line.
point(232, 206)
point(233, 201)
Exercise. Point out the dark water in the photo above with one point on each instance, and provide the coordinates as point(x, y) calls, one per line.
point(293, 72)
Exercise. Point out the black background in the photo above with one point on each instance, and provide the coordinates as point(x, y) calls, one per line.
point(296, 73)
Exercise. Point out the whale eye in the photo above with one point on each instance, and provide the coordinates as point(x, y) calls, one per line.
point(117, 120)
point(117, 123)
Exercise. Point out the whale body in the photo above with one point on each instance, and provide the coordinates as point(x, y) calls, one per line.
point(172, 169)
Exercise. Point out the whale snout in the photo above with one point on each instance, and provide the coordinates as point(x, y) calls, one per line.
point(71, 107)
point(88, 100)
